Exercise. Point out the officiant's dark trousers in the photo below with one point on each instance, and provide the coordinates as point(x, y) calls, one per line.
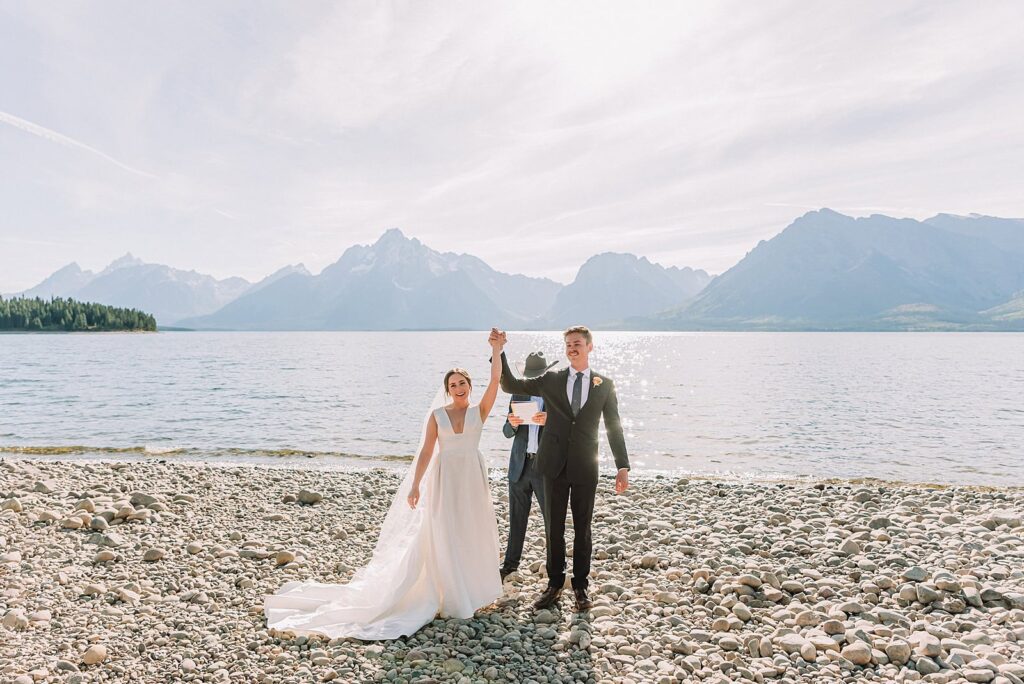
point(560, 495)
point(520, 498)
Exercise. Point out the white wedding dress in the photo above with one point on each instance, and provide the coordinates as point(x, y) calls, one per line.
point(441, 558)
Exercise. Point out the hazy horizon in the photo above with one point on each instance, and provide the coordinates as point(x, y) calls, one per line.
point(235, 139)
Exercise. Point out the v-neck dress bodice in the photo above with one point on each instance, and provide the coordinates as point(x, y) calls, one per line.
point(470, 427)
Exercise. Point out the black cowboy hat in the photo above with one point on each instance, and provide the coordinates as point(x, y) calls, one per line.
point(535, 365)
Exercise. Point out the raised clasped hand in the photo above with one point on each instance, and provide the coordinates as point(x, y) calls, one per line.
point(540, 418)
point(497, 338)
point(514, 420)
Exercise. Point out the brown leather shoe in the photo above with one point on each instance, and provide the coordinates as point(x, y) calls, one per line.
point(583, 602)
point(548, 598)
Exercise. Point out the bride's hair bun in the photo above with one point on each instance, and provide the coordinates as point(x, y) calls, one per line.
point(460, 371)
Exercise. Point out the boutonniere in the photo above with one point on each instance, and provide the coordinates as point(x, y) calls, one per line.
point(597, 381)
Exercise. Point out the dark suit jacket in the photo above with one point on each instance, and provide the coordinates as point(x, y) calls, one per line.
point(571, 443)
point(517, 458)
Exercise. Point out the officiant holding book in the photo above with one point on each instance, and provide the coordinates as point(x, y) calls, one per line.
point(524, 425)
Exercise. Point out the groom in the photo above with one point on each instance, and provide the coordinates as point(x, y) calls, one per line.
point(575, 399)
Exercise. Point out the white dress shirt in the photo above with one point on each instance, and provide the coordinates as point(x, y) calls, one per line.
point(572, 381)
point(533, 442)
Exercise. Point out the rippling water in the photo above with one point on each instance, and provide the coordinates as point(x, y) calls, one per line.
point(943, 407)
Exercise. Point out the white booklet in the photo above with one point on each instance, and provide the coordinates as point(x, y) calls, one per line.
point(525, 409)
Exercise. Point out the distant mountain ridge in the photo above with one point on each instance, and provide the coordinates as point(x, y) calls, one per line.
point(832, 272)
point(280, 273)
point(825, 271)
point(610, 287)
point(61, 282)
point(167, 293)
point(397, 283)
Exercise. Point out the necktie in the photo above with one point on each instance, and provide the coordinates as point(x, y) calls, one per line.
point(577, 394)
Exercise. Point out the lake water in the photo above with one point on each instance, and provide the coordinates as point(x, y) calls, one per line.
point(942, 407)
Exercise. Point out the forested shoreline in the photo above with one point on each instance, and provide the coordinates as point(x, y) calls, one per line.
point(68, 315)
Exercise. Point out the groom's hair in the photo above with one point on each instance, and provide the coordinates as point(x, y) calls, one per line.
point(581, 329)
point(459, 371)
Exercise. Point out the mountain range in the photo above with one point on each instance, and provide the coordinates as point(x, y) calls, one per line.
point(394, 284)
point(825, 271)
point(168, 293)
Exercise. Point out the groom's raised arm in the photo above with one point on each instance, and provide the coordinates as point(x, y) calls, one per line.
point(514, 385)
point(613, 426)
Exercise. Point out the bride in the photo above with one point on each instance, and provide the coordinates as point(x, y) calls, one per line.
point(438, 547)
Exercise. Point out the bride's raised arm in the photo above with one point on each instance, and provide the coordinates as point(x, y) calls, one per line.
point(487, 401)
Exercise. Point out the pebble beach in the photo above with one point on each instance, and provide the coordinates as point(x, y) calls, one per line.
point(155, 572)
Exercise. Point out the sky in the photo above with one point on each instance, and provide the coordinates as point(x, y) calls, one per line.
point(236, 137)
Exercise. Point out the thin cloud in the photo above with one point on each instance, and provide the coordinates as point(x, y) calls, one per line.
point(61, 139)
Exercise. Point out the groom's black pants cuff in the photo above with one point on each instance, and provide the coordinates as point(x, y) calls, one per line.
point(560, 496)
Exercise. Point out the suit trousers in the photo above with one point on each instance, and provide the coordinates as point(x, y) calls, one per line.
point(560, 494)
point(520, 499)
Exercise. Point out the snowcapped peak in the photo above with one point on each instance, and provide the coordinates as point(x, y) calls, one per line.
point(127, 260)
point(289, 269)
point(394, 247)
point(392, 236)
point(73, 267)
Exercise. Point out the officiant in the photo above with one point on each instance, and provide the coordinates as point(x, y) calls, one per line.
point(524, 480)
